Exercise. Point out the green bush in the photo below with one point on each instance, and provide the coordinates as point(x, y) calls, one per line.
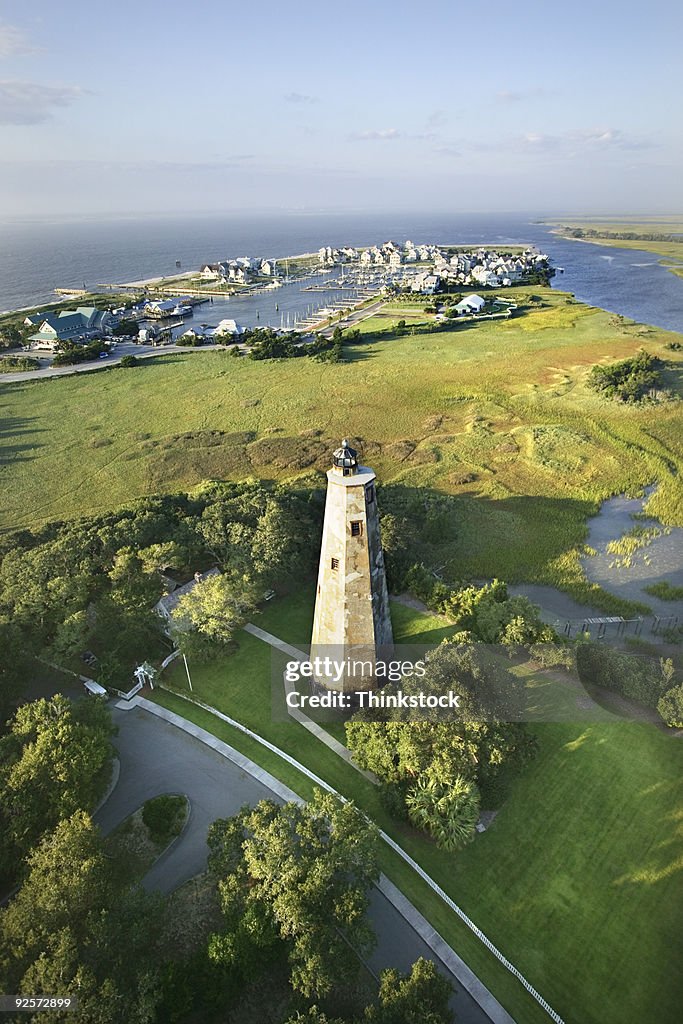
point(641, 679)
point(164, 816)
point(629, 380)
point(130, 361)
point(15, 364)
point(670, 707)
point(448, 812)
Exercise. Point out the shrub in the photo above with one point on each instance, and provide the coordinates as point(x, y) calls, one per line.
point(11, 364)
point(448, 812)
point(392, 797)
point(129, 361)
point(629, 380)
point(163, 816)
point(670, 707)
point(641, 679)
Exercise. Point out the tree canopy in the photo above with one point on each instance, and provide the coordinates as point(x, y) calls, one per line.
point(299, 875)
point(55, 759)
point(71, 929)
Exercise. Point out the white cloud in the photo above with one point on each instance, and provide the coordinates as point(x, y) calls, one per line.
point(300, 97)
point(32, 103)
point(13, 42)
point(377, 135)
point(582, 138)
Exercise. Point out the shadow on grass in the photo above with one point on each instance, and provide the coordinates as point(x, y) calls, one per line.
point(13, 427)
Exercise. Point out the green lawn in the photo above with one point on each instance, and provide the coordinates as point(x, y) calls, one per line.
point(578, 881)
point(494, 415)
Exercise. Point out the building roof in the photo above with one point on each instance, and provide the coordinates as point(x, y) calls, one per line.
point(167, 605)
point(345, 457)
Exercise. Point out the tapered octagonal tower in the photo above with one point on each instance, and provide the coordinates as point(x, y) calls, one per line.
point(351, 619)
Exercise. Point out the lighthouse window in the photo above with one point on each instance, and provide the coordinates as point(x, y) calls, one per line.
point(335, 563)
point(356, 529)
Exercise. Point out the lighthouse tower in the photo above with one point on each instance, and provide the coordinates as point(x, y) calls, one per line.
point(351, 619)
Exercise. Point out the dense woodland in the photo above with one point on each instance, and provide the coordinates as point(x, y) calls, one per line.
point(288, 888)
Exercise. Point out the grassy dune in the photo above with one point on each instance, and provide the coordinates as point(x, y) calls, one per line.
point(495, 415)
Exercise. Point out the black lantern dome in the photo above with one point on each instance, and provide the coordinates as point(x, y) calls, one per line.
point(345, 457)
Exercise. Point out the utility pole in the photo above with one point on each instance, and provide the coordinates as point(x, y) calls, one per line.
point(189, 680)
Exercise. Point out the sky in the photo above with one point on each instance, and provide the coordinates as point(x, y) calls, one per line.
point(152, 106)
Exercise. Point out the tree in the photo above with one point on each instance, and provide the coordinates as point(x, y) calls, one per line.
point(134, 588)
point(448, 811)
point(216, 607)
point(399, 541)
point(55, 760)
point(420, 997)
point(300, 875)
point(73, 930)
point(313, 1016)
point(486, 738)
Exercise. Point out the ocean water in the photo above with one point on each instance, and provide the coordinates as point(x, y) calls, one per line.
point(37, 257)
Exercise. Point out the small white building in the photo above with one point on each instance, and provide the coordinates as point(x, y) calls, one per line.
point(228, 327)
point(470, 304)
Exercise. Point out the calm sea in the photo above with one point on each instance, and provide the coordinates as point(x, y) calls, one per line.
point(36, 257)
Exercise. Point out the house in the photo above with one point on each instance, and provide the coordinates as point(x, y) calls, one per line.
point(483, 276)
point(230, 327)
point(192, 334)
point(267, 267)
point(470, 304)
point(211, 272)
point(395, 259)
point(168, 604)
point(425, 283)
point(81, 324)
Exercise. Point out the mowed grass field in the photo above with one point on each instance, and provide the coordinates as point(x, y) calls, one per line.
point(579, 881)
point(496, 415)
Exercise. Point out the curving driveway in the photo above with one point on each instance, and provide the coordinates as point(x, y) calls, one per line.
point(157, 757)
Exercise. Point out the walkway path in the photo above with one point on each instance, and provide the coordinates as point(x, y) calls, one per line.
point(299, 716)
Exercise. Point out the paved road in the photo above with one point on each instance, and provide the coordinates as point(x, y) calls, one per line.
point(354, 318)
point(156, 758)
point(122, 349)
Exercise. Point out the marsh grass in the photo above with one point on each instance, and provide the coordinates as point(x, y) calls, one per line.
point(495, 415)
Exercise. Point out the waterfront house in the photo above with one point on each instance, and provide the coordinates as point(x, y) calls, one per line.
point(73, 325)
point(211, 272)
point(228, 327)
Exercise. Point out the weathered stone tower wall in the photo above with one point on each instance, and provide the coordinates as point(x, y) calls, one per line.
point(352, 603)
